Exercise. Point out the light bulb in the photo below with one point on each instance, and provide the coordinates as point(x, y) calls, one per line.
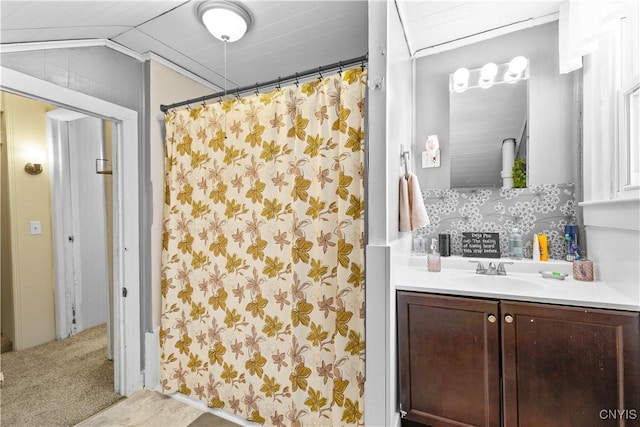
point(487, 75)
point(460, 79)
point(36, 156)
point(516, 67)
point(488, 71)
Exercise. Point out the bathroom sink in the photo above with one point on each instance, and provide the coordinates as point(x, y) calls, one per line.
point(511, 279)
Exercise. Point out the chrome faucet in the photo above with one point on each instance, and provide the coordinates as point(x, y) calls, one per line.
point(491, 270)
point(479, 268)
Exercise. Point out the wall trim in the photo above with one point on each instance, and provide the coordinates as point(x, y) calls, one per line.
point(70, 44)
point(380, 370)
point(222, 413)
point(620, 214)
point(500, 31)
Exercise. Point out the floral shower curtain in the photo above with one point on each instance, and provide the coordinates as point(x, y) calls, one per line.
point(263, 254)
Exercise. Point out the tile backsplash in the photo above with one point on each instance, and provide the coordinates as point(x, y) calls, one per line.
point(538, 209)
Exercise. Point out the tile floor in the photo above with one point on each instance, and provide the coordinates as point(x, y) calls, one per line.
point(145, 408)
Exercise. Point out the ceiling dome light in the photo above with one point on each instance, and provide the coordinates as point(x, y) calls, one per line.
point(225, 20)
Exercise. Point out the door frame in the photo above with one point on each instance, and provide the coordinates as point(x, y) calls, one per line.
point(126, 242)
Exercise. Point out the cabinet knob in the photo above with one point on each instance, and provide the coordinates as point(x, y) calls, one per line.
point(491, 318)
point(508, 318)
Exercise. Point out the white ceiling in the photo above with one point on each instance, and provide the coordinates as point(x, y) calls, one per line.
point(430, 24)
point(285, 36)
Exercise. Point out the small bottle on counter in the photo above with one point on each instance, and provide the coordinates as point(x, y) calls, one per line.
point(571, 241)
point(433, 258)
point(544, 247)
point(535, 248)
point(515, 244)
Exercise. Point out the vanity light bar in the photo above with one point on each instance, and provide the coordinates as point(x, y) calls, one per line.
point(490, 74)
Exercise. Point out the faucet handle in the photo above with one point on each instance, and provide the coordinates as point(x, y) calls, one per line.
point(479, 268)
point(491, 269)
point(501, 269)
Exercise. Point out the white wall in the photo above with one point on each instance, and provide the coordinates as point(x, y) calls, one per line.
point(611, 215)
point(97, 71)
point(551, 102)
point(389, 115)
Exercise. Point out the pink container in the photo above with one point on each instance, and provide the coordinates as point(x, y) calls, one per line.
point(583, 270)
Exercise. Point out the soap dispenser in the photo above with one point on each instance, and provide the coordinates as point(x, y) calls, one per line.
point(433, 258)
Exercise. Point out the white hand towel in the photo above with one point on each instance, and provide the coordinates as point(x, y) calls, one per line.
point(413, 213)
point(419, 215)
point(405, 209)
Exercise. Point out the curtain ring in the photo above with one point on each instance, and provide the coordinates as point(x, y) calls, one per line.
point(257, 91)
point(340, 68)
point(297, 81)
point(320, 73)
point(220, 99)
point(278, 85)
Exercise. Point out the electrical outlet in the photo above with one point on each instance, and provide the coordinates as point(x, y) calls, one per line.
point(35, 227)
point(430, 159)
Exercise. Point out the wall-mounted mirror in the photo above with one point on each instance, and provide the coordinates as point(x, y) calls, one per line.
point(548, 97)
point(483, 119)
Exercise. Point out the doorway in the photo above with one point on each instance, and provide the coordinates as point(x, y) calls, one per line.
point(82, 207)
point(126, 281)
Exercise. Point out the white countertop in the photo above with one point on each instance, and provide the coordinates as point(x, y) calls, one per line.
point(522, 283)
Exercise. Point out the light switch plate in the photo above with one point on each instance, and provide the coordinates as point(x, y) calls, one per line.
point(35, 227)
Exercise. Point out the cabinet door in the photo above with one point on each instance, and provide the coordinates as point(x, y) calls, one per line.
point(448, 352)
point(569, 366)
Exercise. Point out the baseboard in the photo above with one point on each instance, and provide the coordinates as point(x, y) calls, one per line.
point(217, 412)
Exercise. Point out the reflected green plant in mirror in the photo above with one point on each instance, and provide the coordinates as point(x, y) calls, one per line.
point(519, 173)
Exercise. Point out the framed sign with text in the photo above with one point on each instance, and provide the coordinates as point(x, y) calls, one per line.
point(481, 245)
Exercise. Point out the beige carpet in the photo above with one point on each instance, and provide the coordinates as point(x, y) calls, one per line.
point(57, 384)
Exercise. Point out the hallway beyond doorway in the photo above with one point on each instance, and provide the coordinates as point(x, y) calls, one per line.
point(59, 383)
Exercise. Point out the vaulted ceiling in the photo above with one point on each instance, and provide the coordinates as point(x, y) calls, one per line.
point(285, 36)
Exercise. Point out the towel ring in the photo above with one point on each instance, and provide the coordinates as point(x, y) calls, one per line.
point(406, 156)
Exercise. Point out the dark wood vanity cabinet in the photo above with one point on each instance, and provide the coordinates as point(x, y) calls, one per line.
point(475, 362)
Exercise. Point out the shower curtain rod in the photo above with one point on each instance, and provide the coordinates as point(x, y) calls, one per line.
point(275, 82)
